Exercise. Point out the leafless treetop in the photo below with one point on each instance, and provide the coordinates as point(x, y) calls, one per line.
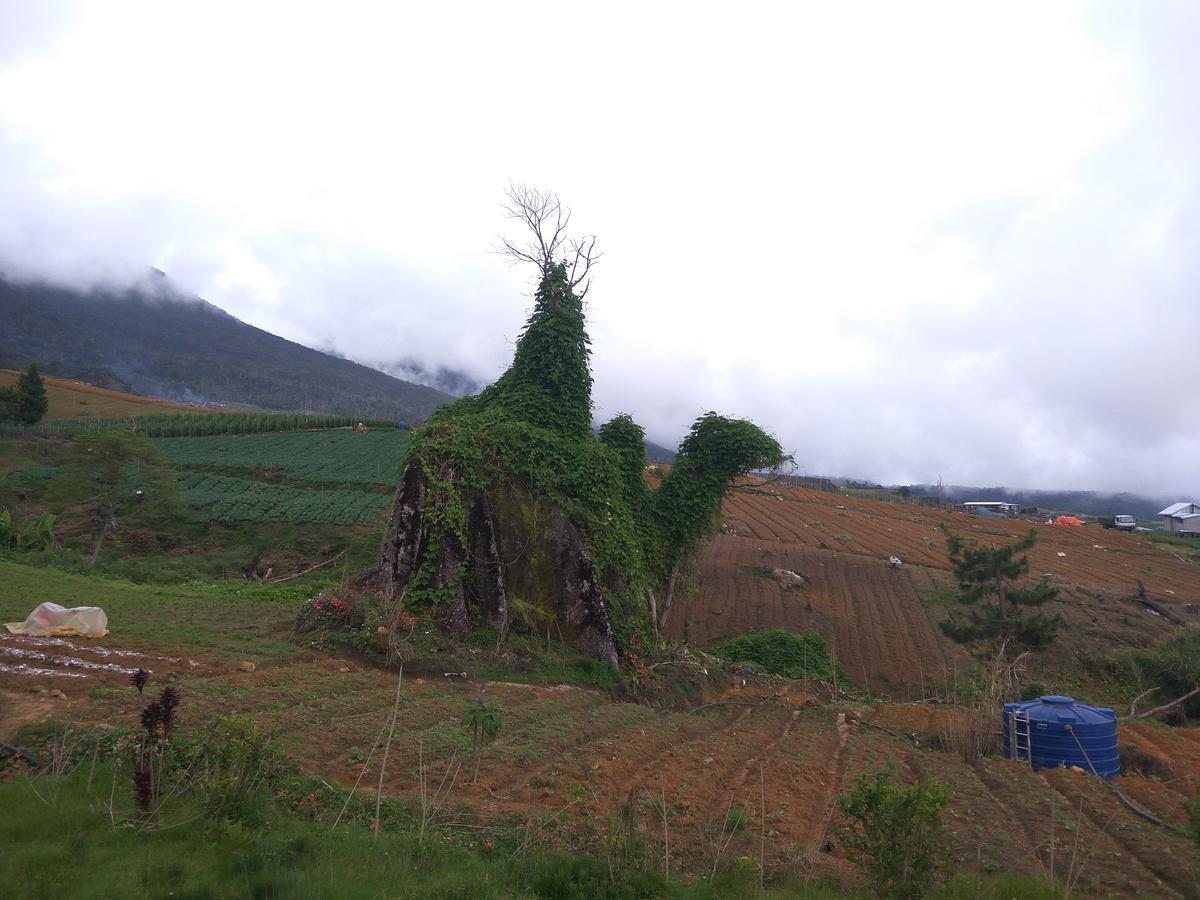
point(548, 240)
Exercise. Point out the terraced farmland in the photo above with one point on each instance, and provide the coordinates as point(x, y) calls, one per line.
point(223, 499)
point(319, 457)
point(883, 621)
point(336, 476)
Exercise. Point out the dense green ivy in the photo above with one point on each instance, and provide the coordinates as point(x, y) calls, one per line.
point(549, 383)
point(686, 506)
point(530, 432)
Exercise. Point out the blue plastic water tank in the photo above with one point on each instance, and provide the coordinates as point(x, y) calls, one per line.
point(1065, 733)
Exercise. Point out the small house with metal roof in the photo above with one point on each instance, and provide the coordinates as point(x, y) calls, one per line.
point(1182, 518)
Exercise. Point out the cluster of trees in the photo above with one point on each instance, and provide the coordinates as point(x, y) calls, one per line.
point(25, 402)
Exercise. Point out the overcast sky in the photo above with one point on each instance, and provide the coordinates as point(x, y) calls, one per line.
point(911, 240)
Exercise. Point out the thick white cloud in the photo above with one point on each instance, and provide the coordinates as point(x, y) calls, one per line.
point(911, 241)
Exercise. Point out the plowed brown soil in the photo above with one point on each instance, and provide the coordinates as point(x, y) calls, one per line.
point(881, 620)
point(568, 761)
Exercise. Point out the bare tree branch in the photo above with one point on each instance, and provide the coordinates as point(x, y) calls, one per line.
point(1166, 706)
point(548, 242)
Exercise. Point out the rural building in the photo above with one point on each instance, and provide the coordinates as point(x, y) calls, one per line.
point(994, 507)
point(1182, 518)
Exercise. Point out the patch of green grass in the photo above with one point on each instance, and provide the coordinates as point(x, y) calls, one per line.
point(757, 571)
point(780, 652)
point(240, 618)
point(60, 842)
point(1175, 540)
point(202, 551)
point(526, 660)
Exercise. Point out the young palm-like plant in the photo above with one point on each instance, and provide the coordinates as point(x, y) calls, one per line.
point(482, 717)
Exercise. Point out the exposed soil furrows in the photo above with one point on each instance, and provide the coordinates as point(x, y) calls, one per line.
point(735, 783)
point(765, 605)
point(820, 825)
point(1133, 838)
point(883, 621)
point(610, 742)
point(1092, 556)
point(1034, 843)
point(696, 747)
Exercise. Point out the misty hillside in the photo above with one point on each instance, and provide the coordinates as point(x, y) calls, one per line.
point(1088, 503)
point(155, 340)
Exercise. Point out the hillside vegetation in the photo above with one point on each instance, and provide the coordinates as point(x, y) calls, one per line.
point(153, 339)
point(74, 400)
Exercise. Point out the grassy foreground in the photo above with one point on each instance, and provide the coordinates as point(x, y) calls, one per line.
point(59, 841)
point(63, 844)
point(78, 833)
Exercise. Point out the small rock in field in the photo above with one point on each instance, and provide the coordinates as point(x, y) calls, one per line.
point(58, 695)
point(344, 669)
point(249, 666)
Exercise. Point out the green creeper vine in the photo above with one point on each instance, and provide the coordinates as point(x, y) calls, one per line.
point(530, 432)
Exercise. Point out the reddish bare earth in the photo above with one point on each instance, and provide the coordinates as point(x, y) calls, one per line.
point(568, 760)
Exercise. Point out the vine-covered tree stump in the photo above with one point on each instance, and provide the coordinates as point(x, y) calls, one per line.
point(522, 566)
point(512, 514)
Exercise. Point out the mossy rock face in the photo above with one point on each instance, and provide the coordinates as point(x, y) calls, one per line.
point(523, 566)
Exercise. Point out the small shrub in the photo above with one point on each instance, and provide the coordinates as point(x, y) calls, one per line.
point(482, 719)
point(235, 765)
point(969, 733)
point(895, 833)
point(780, 652)
point(1174, 668)
point(844, 538)
point(331, 611)
point(1136, 761)
point(1034, 690)
point(736, 820)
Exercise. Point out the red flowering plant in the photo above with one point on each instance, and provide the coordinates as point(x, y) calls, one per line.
point(636, 667)
point(342, 610)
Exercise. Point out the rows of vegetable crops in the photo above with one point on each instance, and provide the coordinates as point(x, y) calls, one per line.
point(193, 424)
point(223, 499)
point(323, 457)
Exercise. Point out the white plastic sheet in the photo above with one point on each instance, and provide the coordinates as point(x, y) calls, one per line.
point(51, 619)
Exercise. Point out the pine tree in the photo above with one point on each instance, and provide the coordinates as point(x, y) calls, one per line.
point(29, 402)
point(1001, 617)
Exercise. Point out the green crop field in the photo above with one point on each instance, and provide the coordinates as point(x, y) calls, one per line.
point(163, 425)
point(322, 457)
point(222, 499)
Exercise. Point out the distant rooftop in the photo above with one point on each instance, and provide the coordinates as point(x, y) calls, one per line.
point(1176, 509)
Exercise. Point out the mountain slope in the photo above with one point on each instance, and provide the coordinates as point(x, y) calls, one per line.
point(153, 339)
